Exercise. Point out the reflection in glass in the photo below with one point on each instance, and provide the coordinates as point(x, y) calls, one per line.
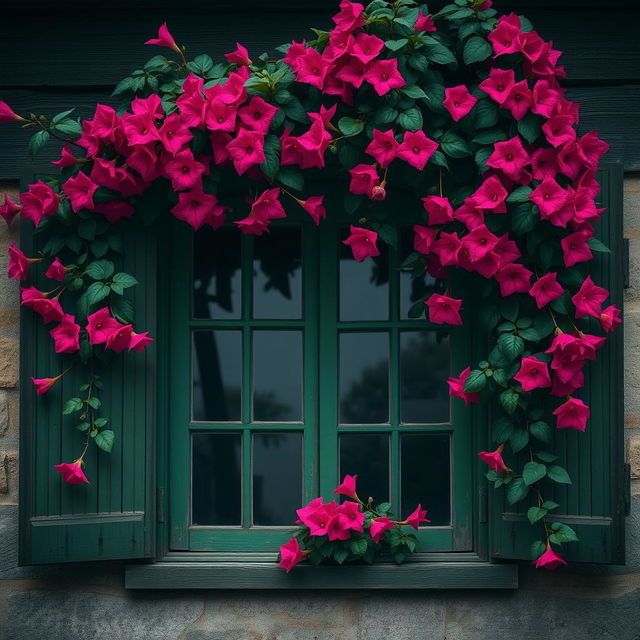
point(277, 274)
point(277, 477)
point(411, 289)
point(425, 475)
point(424, 369)
point(364, 286)
point(277, 376)
point(217, 275)
point(368, 456)
point(364, 378)
point(216, 482)
point(216, 375)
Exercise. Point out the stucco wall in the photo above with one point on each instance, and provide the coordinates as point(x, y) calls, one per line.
point(74, 602)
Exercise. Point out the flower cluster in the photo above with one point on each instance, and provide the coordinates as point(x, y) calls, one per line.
point(352, 531)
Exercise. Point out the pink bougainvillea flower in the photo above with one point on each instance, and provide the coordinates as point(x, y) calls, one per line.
point(363, 178)
point(379, 526)
point(439, 209)
point(311, 68)
point(337, 528)
point(43, 385)
point(505, 38)
point(592, 148)
point(352, 72)
point(423, 238)
point(519, 100)
point(545, 97)
point(383, 147)
point(507, 250)
point(318, 521)
point(239, 56)
point(9, 209)
point(575, 248)
point(100, 325)
point(105, 124)
point(351, 515)
point(139, 341)
point(366, 47)
point(458, 101)
point(196, 207)
point(66, 335)
point(494, 459)
point(444, 310)
point(267, 206)
point(164, 39)
point(610, 318)
point(490, 195)
point(311, 146)
point(456, 388)
point(418, 516)
point(140, 128)
point(39, 202)
point(447, 247)
point(549, 196)
point(72, 472)
point(18, 265)
point(573, 414)
point(114, 210)
point(546, 289)
point(509, 157)
point(514, 278)
point(384, 76)
point(544, 163)
point(314, 207)
point(80, 190)
point(67, 159)
point(589, 298)
point(416, 149)
point(479, 242)
point(558, 130)
point(174, 134)
point(49, 309)
point(290, 554)
point(120, 339)
point(561, 389)
point(350, 17)
point(340, 44)
point(499, 84)
point(304, 512)
point(362, 243)
point(424, 23)
point(220, 116)
point(347, 487)
point(152, 105)
point(183, 170)
point(246, 150)
point(257, 115)
point(533, 374)
point(549, 560)
point(7, 114)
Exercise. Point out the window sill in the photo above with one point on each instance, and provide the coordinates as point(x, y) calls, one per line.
point(176, 572)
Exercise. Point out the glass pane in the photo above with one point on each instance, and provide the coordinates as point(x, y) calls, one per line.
point(217, 376)
point(277, 477)
point(425, 476)
point(411, 289)
point(277, 274)
point(216, 486)
point(277, 376)
point(364, 378)
point(424, 369)
point(364, 286)
point(368, 456)
point(217, 274)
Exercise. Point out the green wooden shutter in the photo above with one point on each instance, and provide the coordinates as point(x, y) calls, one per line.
point(594, 505)
point(112, 517)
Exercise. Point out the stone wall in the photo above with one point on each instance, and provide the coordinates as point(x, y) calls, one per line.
point(82, 602)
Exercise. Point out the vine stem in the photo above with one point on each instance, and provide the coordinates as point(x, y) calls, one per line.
point(52, 132)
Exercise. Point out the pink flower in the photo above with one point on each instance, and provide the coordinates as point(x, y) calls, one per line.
point(499, 84)
point(139, 341)
point(494, 459)
point(246, 150)
point(164, 39)
point(174, 134)
point(444, 310)
point(545, 98)
point(351, 516)
point(114, 210)
point(592, 148)
point(510, 157)
point(424, 23)
point(311, 68)
point(18, 266)
point(67, 159)
point(304, 512)
point(589, 298)
point(350, 17)
point(490, 195)
point(257, 115)
point(366, 47)
point(353, 72)
point(79, 191)
point(416, 149)
point(513, 278)
point(458, 101)
point(610, 318)
point(362, 243)
point(533, 374)
point(7, 114)
point(558, 130)
point(363, 178)
point(66, 335)
point(423, 238)
point(239, 56)
point(337, 528)
point(575, 248)
point(519, 100)
point(383, 147)
point(505, 38)
point(314, 207)
point(267, 206)
point(290, 554)
point(120, 339)
point(456, 388)
point(43, 385)
point(544, 163)
point(379, 526)
point(183, 170)
point(546, 289)
point(416, 517)
point(39, 202)
point(447, 247)
point(9, 209)
point(549, 196)
point(384, 76)
point(479, 242)
point(573, 414)
point(549, 560)
point(197, 207)
point(50, 310)
point(318, 521)
point(71, 472)
point(347, 487)
point(101, 324)
point(439, 209)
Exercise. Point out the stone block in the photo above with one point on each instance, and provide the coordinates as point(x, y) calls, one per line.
point(9, 361)
point(8, 476)
point(631, 328)
point(633, 456)
point(631, 203)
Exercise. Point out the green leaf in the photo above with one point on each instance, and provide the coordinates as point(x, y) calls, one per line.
point(536, 513)
point(200, 65)
point(416, 310)
point(454, 146)
point(519, 439)
point(396, 45)
point(523, 219)
point(511, 345)
point(502, 429)
point(340, 554)
point(438, 53)
point(105, 439)
point(385, 115)
point(125, 280)
point(598, 246)
point(476, 49)
point(547, 457)
point(358, 547)
point(520, 194)
point(540, 430)
point(509, 400)
point(562, 533)
point(83, 426)
point(476, 381)
point(122, 310)
point(99, 248)
point(100, 269)
point(517, 490)
point(37, 142)
point(529, 127)
point(413, 91)
point(485, 114)
point(549, 505)
point(490, 136)
point(96, 292)
point(61, 116)
point(558, 474)
point(418, 62)
point(349, 126)
point(72, 405)
point(411, 119)
point(533, 471)
point(509, 308)
point(530, 334)
point(101, 422)
point(291, 177)
point(537, 549)
point(271, 165)
point(94, 403)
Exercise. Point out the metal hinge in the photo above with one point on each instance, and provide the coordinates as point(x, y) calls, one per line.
point(625, 263)
point(627, 488)
point(160, 504)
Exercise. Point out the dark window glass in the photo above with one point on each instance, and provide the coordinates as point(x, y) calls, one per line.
point(277, 376)
point(424, 369)
point(425, 475)
point(277, 274)
point(368, 456)
point(364, 286)
point(216, 481)
point(217, 274)
point(217, 375)
point(364, 378)
point(277, 477)
point(411, 289)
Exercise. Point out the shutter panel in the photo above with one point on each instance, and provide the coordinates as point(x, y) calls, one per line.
point(112, 517)
point(594, 504)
